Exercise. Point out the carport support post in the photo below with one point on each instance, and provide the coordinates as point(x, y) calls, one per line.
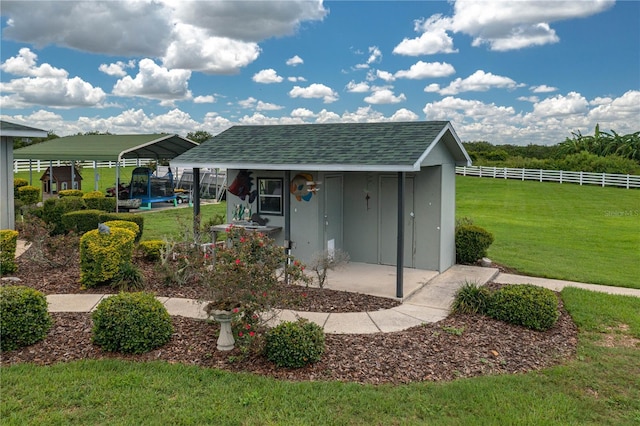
point(400, 259)
point(196, 204)
point(287, 221)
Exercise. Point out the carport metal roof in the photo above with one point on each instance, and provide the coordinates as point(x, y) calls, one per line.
point(107, 147)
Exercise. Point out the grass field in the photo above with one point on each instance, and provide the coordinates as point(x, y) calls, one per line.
point(579, 233)
point(600, 387)
point(106, 177)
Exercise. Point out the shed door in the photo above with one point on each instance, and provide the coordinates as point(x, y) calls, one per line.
point(388, 227)
point(333, 212)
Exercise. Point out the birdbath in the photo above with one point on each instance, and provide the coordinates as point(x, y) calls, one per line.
point(226, 341)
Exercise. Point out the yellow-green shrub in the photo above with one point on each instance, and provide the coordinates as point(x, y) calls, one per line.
point(70, 193)
point(125, 224)
point(8, 242)
point(28, 194)
point(151, 249)
point(102, 254)
point(137, 218)
point(17, 183)
point(81, 221)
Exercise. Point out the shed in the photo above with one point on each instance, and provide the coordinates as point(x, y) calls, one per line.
point(382, 192)
point(8, 131)
point(62, 178)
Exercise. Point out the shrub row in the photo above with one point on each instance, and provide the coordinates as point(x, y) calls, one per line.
point(526, 305)
point(8, 243)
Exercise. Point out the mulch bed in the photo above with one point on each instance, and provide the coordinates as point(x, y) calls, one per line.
point(459, 346)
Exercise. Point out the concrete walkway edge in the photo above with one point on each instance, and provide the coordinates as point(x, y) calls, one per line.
point(429, 304)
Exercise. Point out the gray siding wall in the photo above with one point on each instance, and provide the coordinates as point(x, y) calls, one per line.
point(7, 218)
point(427, 201)
point(448, 218)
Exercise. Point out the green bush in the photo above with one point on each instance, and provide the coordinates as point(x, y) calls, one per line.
point(28, 194)
point(24, 318)
point(137, 218)
point(526, 305)
point(101, 255)
point(471, 299)
point(98, 201)
point(17, 183)
point(294, 344)
point(131, 323)
point(151, 249)
point(472, 243)
point(131, 226)
point(8, 242)
point(81, 221)
point(54, 208)
point(70, 193)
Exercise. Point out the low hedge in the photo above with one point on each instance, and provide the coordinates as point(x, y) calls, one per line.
point(137, 218)
point(472, 243)
point(151, 249)
point(526, 305)
point(81, 221)
point(54, 208)
point(24, 317)
point(294, 344)
point(98, 201)
point(70, 193)
point(28, 194)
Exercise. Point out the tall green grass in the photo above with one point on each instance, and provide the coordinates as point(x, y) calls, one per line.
point(600, 387)
point(579, 233)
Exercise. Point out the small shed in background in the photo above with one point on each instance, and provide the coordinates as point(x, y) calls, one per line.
point(60, 178)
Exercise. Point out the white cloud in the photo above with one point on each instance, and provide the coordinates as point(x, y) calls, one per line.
point(207, 99)
point(385, 75)
point(543, 89)
point(434, 38)
point(620, 114)
point(117, 69)
point(248, 103)
point(404, 114)
point(354, 87)
point(295, 61)
point(193, 49)
point(24, 64)
point(302, 113)
point(421, 70)
point(375, 55)
point(266, 106)
point(267, 76)
point(325, 116)
point(508, 25)
point(432, 88)
point(384, 96)
point(532, 99)
point(155, 82)
point(558, 106)
point(479, 81)
point(315, 90)
point(296, 79)
point(45, 85)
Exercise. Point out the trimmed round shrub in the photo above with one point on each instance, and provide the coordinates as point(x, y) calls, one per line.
point(8, 243)
point(101, 255)
point(28, 194)
point(24, 318)
point(81, 221)
point(98, 201)
point(471, 299)
point(294, 344)
point(151, 249)
point(472, 243)
point(17, 183)
point(70, 193)
point(526, 305)
point(125, 224)
point(131, 323)
point(137, 218)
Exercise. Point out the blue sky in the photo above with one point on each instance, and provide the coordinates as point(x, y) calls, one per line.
point(516, 72)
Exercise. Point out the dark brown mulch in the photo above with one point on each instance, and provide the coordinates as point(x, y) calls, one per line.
point(459, 346)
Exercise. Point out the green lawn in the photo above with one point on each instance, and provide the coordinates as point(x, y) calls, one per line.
point(106, 177)
point(175, 222)
point(579, 233)
point(600, 387)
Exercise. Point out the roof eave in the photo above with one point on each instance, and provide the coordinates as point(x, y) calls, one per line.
point(297, 166)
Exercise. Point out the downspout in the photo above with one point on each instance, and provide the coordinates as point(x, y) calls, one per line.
point(196, 205)
point(400, 259)
point(287, 218)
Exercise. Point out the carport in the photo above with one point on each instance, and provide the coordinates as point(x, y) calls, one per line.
point(160, 146)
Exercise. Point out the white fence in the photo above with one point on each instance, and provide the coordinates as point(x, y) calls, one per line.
point(581, 178)
point(40, 166)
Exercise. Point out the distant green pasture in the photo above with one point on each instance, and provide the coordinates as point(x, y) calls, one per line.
point(565, 231)
point(106, 176)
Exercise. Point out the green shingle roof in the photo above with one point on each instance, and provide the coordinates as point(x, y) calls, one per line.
point(338, 146)
point(107, 147)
